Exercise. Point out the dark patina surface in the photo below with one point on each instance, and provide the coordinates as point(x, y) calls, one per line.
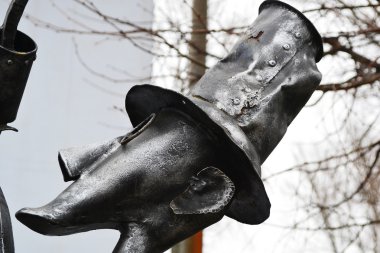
point(191, 160)
point(6, 237)
point(17, 53)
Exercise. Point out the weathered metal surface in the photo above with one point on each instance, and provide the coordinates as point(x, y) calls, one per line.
point(132, 186)
point(268, 76)
point(192, 160)
point(251, 204)
point(17, 53)
point(6, 236)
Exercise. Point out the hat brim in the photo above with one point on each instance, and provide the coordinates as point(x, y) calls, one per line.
point(251, 204)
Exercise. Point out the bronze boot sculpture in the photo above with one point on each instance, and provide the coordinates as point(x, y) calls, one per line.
point(191, 160)
point(17, 53)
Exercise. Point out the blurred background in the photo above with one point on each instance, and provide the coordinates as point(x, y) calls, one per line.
point(323, 179)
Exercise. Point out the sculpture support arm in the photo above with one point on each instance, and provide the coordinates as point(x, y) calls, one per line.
point(133, 240)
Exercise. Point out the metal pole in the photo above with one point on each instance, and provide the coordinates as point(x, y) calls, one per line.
point(6, 235)
point(190, 245)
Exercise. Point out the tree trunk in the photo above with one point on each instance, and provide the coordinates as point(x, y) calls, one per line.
point(190, 245)
point(198, 43)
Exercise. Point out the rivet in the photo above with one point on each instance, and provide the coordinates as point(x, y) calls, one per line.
point(286, 46)
point(272, 63)
point(298, 35)
point(259, 78)
point(9, 62)
point(27, 62)
point(236, 101)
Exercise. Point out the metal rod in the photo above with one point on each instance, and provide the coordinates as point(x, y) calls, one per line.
point(190, 245)
point(6, 236)
point(12, 18)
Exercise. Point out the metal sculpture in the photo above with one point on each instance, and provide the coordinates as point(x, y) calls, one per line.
point(17, 53)
point(191, 160)
point(6, 237)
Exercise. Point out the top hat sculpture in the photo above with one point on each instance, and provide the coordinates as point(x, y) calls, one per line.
point(17, 53)
point(192, 159)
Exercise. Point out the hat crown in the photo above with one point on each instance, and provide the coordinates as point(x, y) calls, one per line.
point(267, 77)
